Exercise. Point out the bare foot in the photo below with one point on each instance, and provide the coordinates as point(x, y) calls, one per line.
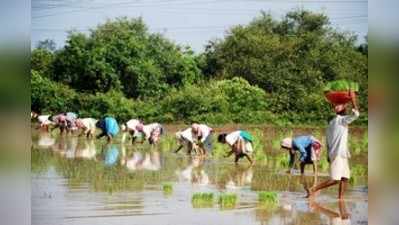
point(309, 193)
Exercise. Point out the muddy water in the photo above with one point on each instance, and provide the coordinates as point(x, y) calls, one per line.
point(75, 181)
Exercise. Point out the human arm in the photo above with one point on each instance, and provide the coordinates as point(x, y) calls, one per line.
point(229, 153)
point(350, 118)
point(292, 159)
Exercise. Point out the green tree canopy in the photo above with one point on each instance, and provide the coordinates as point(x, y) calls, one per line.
point(291, 59)
point(121, 54)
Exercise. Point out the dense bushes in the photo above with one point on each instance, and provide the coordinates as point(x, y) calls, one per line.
point(269, 71)
point(215, 103)
point(123, 55)
point(291, 60)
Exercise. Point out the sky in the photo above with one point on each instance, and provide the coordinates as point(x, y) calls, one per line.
point(187, 22)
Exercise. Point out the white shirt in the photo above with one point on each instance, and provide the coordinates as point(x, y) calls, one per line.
point(337, 135)
point(44, 120)
point(131, 124)
point(89, 123)
point(233, 137)
point(187, 135)
point(203, 130)
point(147, 129)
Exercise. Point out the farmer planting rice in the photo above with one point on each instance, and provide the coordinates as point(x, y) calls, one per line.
point(88, 126)
point(308, 147)
point(202, 137)
point(185, 140)
point(337, 147)
point(60, 122)
point(240, 142)
point(44, 121)
point(151, 132)
point(130, 127)
point(109, 128)
point(70, 118)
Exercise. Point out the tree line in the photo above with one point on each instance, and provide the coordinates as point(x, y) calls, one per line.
point(269, 71)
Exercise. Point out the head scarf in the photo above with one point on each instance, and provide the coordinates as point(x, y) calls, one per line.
point(286, 142)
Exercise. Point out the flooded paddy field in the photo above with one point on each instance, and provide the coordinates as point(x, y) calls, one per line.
point(80, 181)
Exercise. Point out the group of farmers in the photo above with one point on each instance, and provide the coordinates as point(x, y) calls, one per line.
point(198, 139)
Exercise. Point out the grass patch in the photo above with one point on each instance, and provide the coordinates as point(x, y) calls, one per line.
point(202, 200)
point(227, 201)
point(167, 188)
point(268, 198)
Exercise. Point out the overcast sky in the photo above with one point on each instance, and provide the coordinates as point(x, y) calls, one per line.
point(189, 22)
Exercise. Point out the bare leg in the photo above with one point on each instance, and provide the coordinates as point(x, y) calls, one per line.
point(249, 159)
point(109, 138)
point(302, 166)
point(315, 168)
point(342, 187)
point(236, 159)
point(230, 153)
point(322, 185)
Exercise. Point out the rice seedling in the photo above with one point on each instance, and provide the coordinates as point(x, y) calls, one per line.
point(258, 145)
point(268, 199)
point(219, 151)
point(227, 201)
point(281, 161)
point(202, 200)
point(167, 188)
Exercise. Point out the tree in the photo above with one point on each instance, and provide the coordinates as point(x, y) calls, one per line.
point(121, 54)
point(290, 59)
point(41, 61)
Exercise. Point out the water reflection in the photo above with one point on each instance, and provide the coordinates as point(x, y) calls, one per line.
point(136, 160)
point(86, 149)
point(240, 177)
point(340, 217)
point(45, 140)
point(194, 172)
point(110, 154)
point(135, 180)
